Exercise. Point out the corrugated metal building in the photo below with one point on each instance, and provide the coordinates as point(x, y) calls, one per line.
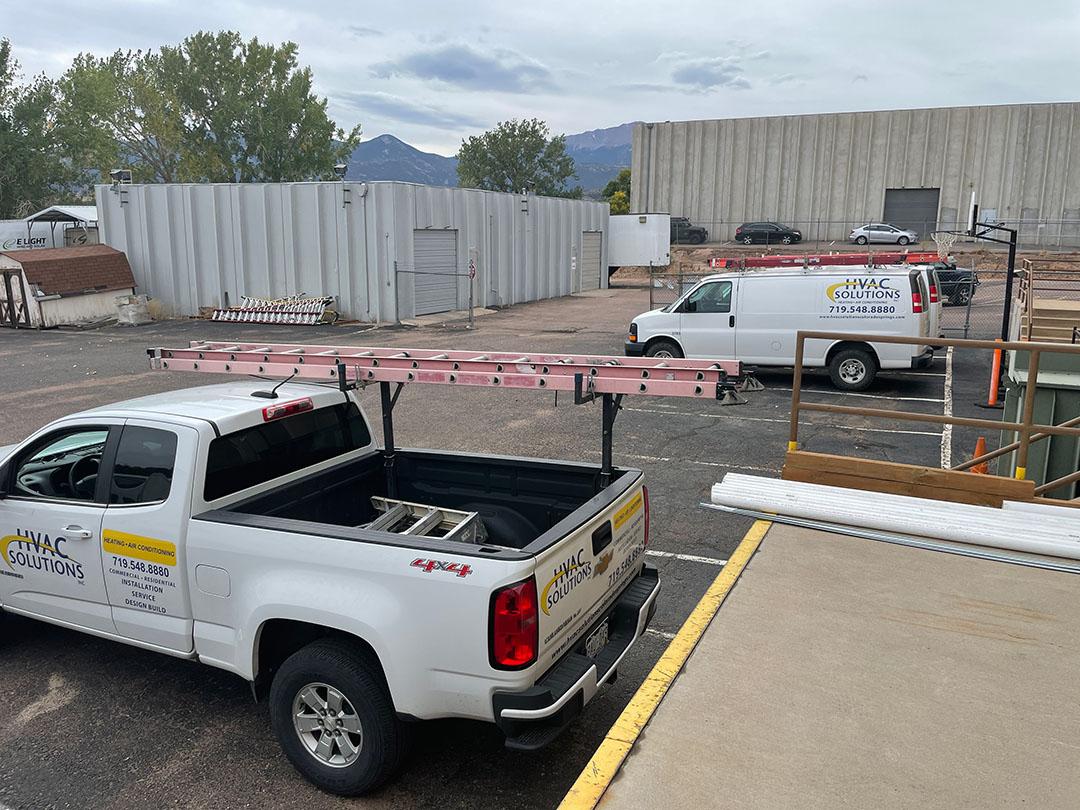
point(827, 173)
point(386, 250)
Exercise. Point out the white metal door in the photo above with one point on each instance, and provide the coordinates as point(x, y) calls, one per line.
point(589, 266)
point(435, 281)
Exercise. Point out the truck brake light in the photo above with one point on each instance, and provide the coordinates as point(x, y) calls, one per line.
point(645, 495)
point(515, 626)
point(916, 303)
point(272, 412)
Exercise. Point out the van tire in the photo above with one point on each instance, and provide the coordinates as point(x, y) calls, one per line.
point(852, 369)
point(383, 742)
point(663, 348)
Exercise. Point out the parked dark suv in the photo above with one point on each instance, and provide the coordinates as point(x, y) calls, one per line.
point(684, 233)
point(769, 233)
point(956, 285)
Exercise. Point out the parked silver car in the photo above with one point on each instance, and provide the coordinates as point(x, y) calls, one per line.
point(881, 232)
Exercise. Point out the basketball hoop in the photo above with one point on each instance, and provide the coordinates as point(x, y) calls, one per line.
point(944, 241)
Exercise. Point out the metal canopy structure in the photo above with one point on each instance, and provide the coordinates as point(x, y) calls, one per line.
point(81, 216)
point(587, 376)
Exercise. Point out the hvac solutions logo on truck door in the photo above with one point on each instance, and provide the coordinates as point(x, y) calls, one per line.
point(864, 296)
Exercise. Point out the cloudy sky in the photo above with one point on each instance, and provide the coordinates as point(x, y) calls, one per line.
point(432, 73)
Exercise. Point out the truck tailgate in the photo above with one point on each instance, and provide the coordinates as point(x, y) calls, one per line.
point(579, 577)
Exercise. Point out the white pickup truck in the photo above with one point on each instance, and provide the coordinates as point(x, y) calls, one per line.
point(273, 538)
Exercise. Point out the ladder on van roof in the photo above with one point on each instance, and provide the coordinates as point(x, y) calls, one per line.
point(828, 259)
point(588, 377)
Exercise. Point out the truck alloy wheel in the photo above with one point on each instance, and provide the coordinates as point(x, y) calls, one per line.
point(333, 716)
point(327, 725)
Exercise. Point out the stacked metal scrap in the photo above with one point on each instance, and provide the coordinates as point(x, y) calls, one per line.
point(294, 309)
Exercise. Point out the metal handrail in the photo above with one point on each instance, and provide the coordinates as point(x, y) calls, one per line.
point(1026, 427)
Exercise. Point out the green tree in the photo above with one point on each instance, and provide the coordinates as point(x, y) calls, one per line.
point(32, 171)
point(517, 155)
point(123, 110)
point(619, 202)
point(251, 112)
point(620, 183)
point(212, 109)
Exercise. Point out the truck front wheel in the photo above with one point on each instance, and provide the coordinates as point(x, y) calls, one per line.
point(335, 720)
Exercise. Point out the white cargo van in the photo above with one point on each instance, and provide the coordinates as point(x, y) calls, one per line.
point(753, 316)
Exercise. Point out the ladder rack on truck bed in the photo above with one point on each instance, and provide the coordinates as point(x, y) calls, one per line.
point(588, 376)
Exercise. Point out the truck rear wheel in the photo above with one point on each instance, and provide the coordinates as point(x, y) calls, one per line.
point(663, 348)
point(334, 719)
point(852, 369)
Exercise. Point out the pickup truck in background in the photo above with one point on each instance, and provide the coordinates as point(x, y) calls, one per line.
point(270, 537)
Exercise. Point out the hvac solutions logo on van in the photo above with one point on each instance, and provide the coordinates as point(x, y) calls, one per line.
point(863, 296)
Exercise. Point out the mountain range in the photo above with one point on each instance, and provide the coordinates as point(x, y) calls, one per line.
point(598, 156)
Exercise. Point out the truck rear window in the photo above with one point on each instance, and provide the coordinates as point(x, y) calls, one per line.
point(264, 452)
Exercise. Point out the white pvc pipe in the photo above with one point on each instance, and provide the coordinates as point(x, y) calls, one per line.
point(922, 517)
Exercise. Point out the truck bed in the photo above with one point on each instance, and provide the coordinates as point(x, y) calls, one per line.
point(525, 504)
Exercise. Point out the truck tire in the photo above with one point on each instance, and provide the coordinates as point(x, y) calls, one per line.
point(697, 238)
point(334, 718)
point(960, 297)
point(663, 348)
point(852, 369)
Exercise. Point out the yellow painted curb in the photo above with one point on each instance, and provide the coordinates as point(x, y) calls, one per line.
point(587, 791)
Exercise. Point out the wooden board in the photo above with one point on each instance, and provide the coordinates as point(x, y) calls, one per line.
point(904, 479)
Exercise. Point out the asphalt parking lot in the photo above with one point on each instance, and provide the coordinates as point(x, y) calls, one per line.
point(92, 723)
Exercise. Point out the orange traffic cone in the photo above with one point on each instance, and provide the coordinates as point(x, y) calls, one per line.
point(980, 449)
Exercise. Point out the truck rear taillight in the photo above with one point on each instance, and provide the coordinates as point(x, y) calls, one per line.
point(272, 412)
point(933, 294)
point(916, 303)
point(645, 495)
point(515, 625)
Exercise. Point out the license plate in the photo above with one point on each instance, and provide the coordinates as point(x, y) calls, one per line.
point(596, 641)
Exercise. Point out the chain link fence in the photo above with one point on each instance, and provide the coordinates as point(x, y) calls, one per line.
point(1042, 233)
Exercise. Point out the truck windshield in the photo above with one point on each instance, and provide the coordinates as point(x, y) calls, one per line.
point(264, 452)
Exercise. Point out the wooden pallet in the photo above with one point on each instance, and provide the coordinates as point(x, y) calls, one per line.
point(904, 479)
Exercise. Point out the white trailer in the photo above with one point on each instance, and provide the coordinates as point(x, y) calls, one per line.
point(639, 240)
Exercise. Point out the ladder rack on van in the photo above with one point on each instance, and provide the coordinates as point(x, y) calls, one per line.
point(828, 259)
point(588, 376)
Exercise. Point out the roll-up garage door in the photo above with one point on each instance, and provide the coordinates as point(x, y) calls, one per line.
point(914, 208)
point(589, 266)
point(435, 261)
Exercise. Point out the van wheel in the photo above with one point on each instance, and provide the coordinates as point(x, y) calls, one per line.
point(852, 369)
point(334, 718)
point(663, 348)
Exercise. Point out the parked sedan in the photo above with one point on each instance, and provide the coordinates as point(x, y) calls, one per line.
point(883, 233)
point(769, 233)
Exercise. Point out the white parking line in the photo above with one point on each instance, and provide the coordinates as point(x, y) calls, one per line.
point(670, 555)
point(857, 394)
point(787, 421)
point(701, 463)
point(946, 432)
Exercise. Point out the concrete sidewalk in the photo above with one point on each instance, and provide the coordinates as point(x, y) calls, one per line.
point(843, 672)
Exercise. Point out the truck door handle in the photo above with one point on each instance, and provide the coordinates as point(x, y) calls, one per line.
point(731, 321)
point(78, 532)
